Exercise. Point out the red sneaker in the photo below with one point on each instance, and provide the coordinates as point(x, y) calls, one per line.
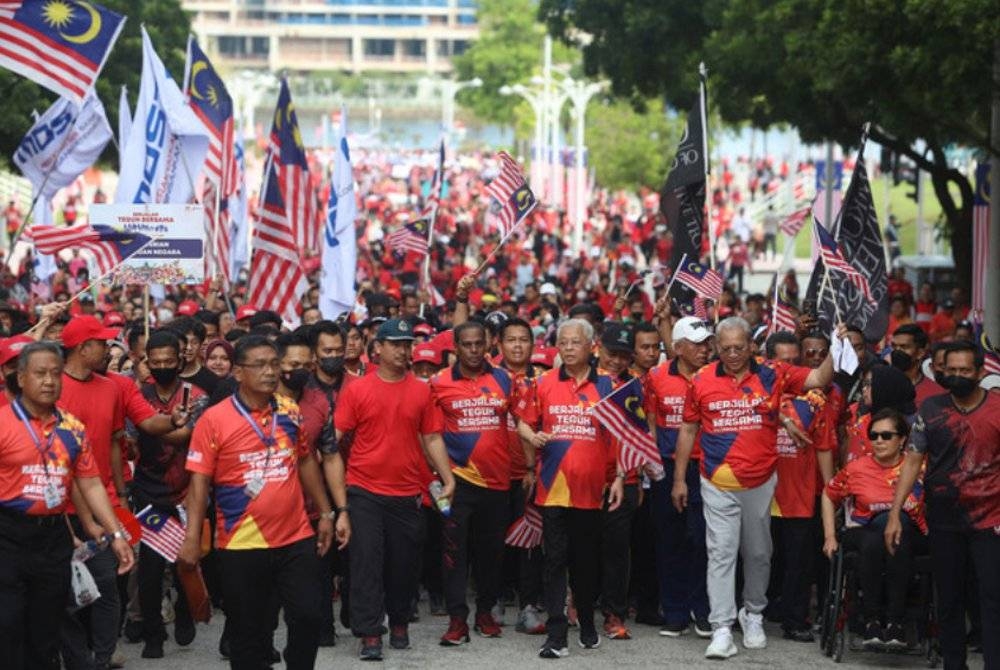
point(486, 625)
point(458, 633)
point(614, 629)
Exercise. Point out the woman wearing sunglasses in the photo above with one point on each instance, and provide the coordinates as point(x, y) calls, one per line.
point(869, 481)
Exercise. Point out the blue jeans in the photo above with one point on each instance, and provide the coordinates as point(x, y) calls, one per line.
point(681, 557)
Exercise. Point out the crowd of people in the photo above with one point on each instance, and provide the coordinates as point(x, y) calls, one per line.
point(386, 455)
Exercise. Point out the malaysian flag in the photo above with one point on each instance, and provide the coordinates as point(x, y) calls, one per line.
point(276, 282)
point(437, 184)
point(701, 279)
point(621, 413)
point(991, 357)
point(829, 251)
point(511, 199)
point(59, 44)
point(793, 222)
point(161, 532)
point(980, 235)
point(782, 317)
point(526, 532)
point(109, 247)
point(292, 168)
point(410, 237)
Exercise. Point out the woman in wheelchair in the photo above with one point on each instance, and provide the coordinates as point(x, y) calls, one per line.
point(869, 482)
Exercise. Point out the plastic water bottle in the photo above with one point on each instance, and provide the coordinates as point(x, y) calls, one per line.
point(437, 493)
point(86, 551)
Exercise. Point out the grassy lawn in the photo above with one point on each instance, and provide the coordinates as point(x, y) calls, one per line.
point(903, 207)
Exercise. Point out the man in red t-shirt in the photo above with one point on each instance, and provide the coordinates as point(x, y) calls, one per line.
point(253, 451)
point(473, 399)
point(570, 479)
point(734, 404)
point(395, 430)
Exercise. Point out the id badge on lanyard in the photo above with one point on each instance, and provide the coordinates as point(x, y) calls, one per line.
point(50, 493)
point(256, 483)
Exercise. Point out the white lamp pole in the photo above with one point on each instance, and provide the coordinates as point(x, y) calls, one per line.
point(449, 89)
point(580, 93)
point(537, 176)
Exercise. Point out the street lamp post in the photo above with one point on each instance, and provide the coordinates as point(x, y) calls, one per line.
point(579, 93)
point(449, 89)
point(537, 175)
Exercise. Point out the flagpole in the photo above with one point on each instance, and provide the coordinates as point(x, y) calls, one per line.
point(145, 310)
point(702, 76)
point(502, 241)
point(774, 307)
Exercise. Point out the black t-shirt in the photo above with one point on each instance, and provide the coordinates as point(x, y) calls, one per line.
point(962, 481)
point(204, 379)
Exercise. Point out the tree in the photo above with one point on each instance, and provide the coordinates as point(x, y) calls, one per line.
point(168, 28)
point(919, 70)
point(629, 149)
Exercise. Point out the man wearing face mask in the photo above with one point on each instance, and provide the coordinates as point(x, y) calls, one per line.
point(161, 481)
point(909, 347)
point(957, 437)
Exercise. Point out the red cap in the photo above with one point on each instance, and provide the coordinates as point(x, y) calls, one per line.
point(427, 353)
point(423, 329)
point(245, 312)
point(11, 347)
point(188, 308)
point(544, 356)
point(86, 327)
point(444, 341)
point(114, 319)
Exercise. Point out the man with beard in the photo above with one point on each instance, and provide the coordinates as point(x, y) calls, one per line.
point(957, 437)
point(909, 348)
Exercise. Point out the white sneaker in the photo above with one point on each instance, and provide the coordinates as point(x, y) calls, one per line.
point(722, 645)
point(753, 629)
point(497, 613)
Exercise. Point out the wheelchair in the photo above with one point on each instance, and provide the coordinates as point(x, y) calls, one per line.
point(841, 622)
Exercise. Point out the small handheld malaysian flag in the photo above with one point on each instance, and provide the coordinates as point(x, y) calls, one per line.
point(161, 532)
point(701, 279)
point(622, 414)
point(794, 222)
point(526, 532)
point(410, 237)
point(108, 246)
point(829, 251)
point(512, 200)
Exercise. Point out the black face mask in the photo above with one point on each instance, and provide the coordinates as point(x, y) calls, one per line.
point(901, 360)
point(10, 380)
point(164, 376)
point(939, 378)
point(295, 380)
point(332, 365)
point(960, 387)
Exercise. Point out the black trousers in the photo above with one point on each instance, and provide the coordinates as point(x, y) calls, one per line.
point(874, 560)
point(432, 574)
point(385, 546)
point(950, 554)
point(34, 586)
point(522, 567)
point(250, 578)
point(644, 586)
point(616, 552)
point(150, 585)
point(572, 540)
point(792, 571)
point(478, 522)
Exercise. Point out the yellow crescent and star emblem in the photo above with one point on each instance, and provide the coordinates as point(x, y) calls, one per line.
point(59, 14)
point(210, 95)
point(633, 405)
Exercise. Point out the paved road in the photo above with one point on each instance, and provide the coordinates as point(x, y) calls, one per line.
point(646, 650)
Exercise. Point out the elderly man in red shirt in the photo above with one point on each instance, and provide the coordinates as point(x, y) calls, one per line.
point(733, 407)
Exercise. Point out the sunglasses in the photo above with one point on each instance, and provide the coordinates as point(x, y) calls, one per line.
point(884, 435)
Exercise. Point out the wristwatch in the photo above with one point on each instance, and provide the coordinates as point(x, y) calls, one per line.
point(621, 475)
point(118, 535)
point(332, 514)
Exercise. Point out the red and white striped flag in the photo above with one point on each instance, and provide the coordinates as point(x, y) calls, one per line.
point(107, 246)
point(526, 532)
point(409, 237)
point(622, 414)
point(511, 199)
point(829, 250)
point(980, 236)
point(161, 532)
point(701, 279)
point(794, 222)
point(293, 174)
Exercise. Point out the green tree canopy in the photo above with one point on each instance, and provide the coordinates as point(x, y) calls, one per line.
point(629, 149)
point(167, 26)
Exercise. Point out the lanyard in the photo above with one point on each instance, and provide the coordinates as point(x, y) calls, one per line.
point(42, 450)
point(268, 440)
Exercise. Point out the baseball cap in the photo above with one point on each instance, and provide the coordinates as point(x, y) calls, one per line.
point(395, 330)
point(427, 353)
point(692, 329)
point(548, 288)
point(86, 297)
point(423, 330)
point(444, 341)
point(114, 319)
point(495, 321)
point(245, 312)
point(188, 308)
point(988, 383)
point(11, 347)
point(617, 337)
point(86, 327)
point(544, 356)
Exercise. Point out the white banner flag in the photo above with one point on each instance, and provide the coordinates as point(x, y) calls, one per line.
point(239, 255)
point(340, 249)
point(166, 144)
point(124, 124)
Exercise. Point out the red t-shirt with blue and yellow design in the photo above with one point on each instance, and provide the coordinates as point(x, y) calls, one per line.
point(872, 486)
point(666, 393)
point(25, 473)
point(571, 468)
point(227, 449)
point(474, 413)
point(739, 420)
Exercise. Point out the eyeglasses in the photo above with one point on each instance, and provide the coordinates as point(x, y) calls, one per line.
point(736, 349)
point(884, 435)
point(257, 367)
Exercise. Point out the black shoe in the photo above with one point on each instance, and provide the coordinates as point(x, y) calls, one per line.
point(673, 629)
point(799, 635)
point(153, 649)
point(371, 649)
point(328, 638)
point(553, 649)
point(133, 631)
point(894, 636)
point(184, 632)
point(589, 639)
point(702, 628)
point(399, 637)
point(224, 647)
point(872, 637)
